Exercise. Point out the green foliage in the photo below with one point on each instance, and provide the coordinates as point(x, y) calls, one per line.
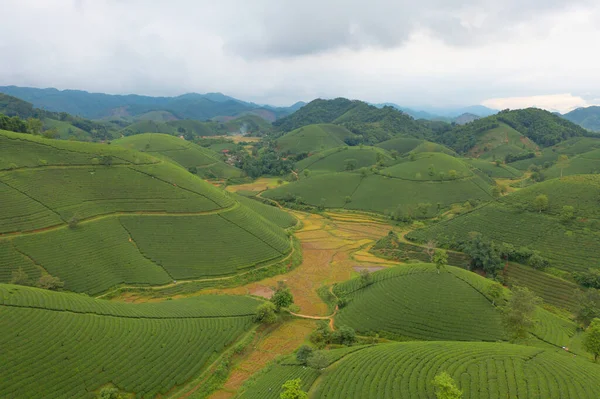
point(303, 353)
point(484, 255)
point(292, 390)
point(540, 202)
point(519, 312)
point(282, 298)
point(20, 277)
point(317, 361)
point(427, 165)
point(589, 279)
point(109, 393)
point(265, 313)
point(495, 291)
point(591, 338)
point(587, 117)
point(588, 306)
point(49, 282)
point(313, 138)
point(445, 387)
point(366, 278)
point(567, 213)
point(440, 258)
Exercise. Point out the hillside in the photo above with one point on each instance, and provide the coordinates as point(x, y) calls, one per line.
point(116, 208)
point(344, 158)
point(313, 138)
point(146, 349)
point(548, 156)
point(571, 245)
point(588, 118)
point(202, 161)
point(100, 105)
point(429, 166)
point(494, 170)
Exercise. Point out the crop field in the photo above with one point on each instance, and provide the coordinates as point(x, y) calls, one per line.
point(566, 247)
point(272, 213)
point(553, 290)
point(501, 171)
point(143, 349)
point(402, 251)
point(182, 152)
point(586, 163)
point(572, 147)
point(11, 260)
point(415, 302)
point(402, 145)
point(429, 166)
point(381, 194)
point(334, 160)
point(501, 141)
point(481, 370)
point(313, 138)
point(428, 146)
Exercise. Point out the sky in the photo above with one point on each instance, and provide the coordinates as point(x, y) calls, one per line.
point(443, 53)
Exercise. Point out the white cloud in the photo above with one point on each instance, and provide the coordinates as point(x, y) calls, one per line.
point(553, 102)
point(436, 52)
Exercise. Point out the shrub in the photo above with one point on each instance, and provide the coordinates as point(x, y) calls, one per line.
point(49, 282)
point(265, 313)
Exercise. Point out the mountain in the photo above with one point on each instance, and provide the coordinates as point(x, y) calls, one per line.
point(465, 118)
point(588, 118)
point(100, 105)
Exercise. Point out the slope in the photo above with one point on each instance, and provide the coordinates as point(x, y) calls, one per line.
point(588, 118)
point(206, 162)
point(344, 158)
point(71, 345)
point(429, 166)
point(120, 217)
point(313, 138)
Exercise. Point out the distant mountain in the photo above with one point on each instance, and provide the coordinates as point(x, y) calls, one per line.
point(465, 118)
point(98, 105)
point(588, 118)
point(440, 113)
point(415, 114)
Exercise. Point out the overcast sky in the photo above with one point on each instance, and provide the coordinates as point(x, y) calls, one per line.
point(509, 53)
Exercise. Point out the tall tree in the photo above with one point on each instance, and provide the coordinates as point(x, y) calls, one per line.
point(563, 162)
point(519, 312)
point(445, 387)
point(440, 258)
point(292, 390)
point(591, 339)
point(541, 202)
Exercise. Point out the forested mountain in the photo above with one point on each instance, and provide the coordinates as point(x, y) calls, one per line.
point(99, 105)
point(588, 118)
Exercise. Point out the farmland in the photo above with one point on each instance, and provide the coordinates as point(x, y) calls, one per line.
point(342, 158)
point(142, 349)
point(429, 166)
point(313, 138)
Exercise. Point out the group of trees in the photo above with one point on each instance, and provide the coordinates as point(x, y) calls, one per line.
point(323, 335)
point(281, 298)
point(264, 161)
point(46, 281)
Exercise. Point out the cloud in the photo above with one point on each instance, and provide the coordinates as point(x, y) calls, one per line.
point(554, 102)
point(434, 52)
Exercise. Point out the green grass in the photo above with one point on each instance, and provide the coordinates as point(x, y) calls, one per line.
point(415, 302)
point(402, 145)
point(429, 166)
point(66, 130)
point(272, 213)
point(67, 345)
point(501, 171)
point(335, 160)
point(184, 153)
point(481, 370)
point(313, 138)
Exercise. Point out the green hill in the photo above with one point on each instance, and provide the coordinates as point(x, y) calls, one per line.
point(429, 166)
point(586, 163)
point(72, 345)
point(341, 158)
point(189, 155)
point(313, 138)
point(119, 217)
point(497, 143)
point(482, 370)
point(572, 246)
point(402, 145)
point(571, 148)
point(493, 170)
point(383, 194)
point(588, 118)
point(436, 310)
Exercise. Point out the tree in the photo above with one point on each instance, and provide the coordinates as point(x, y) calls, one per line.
point(51, 133)
point(350, 164)
point(452, 174)
point(49, 282)
point(366, 278)
point(34, 126)
point(19, 277)
point(317, 361)
point(394, 154)
point(430, 249)
point(495, 291)
point(563, 162)
point(445, 387)
point(591, 339)
point(304, 352)
point(423, 208)
point(106, 160)
point(440, 258)
point(344, 335)
point(282, 298)
point(540, 202)
point(265, 313)
point(109, 393)
point(306, 172)
point(519, 312)
point(538, 262)
point(73, 222)
point(496, 193)
point(567, 213)
point(588, 306)
point(292, 390)
point(484, 255)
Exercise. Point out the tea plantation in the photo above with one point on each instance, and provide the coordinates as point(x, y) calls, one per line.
point(313, 138)
point(66, 345)
point(343, 158)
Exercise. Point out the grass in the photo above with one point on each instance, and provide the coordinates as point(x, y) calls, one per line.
point(335, 160)
point(144, 349)
point(415, 302)
point(429, 166)
point(189, 155)
point(269, 211)
point(501, 171)
point(481, 370)
point(313, 138)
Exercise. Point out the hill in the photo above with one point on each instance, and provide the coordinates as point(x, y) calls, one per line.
point(588, 118)
point(541, 127)
point(206, 163)
point(313, 138)
point(344, 158)
point(120, 217)
point(481, 369)
point(406, 145)
point(100, 105)
point(548, 156)
point(570, 245)
point(72, 345)
point(494, 170)
point(429, 166)
point(586, 163)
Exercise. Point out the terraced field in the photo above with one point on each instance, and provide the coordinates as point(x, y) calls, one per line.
point(189, 155)
point(313, 138)
point(481, 370)
point(415, 302)
point(97, 224)
point(335, 160)
point(143, 349)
